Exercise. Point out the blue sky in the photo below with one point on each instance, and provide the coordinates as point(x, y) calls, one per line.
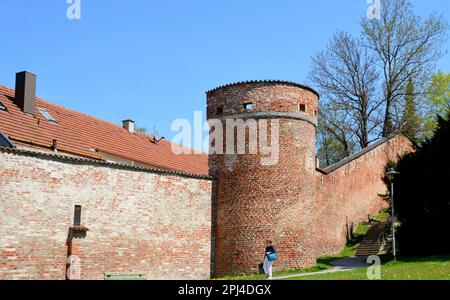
point(152, 60)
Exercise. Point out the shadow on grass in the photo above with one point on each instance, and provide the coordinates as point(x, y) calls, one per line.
point(351, 246)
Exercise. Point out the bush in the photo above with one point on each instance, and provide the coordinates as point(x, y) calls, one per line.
point(422, 195)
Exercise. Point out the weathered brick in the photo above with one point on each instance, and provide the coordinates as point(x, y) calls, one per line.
point(305, 213)
point(138, 221)
point(174, 227)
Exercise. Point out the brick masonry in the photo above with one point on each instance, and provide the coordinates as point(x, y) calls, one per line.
point(305, 213)
point(255, 202)
point(138, 221)
point(349, 194)
point(170, 226)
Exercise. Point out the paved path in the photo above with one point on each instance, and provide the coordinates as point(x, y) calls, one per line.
point(340, 265)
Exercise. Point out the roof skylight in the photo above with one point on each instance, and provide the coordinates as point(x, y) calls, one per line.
point(47, 115)
point(2, 106)
point(5, 142)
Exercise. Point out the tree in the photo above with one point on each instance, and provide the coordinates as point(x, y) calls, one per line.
point(335, 135)
point(437, 102)
point(345, 75)
point(411, 121)
point(406, 47)
point(438, 94)
point(421, 195)
point(330, 150)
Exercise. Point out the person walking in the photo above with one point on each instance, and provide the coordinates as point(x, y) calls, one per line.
point(269, 257)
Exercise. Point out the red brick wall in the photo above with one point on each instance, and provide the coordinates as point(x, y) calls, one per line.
point(161, 225)
point(138, 221)
point(255, 202)
point(349, 194)
point(304, 212)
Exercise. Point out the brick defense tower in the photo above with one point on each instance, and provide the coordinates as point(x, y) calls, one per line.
point(253, 202)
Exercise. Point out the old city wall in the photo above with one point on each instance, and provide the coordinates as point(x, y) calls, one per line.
point(139, 221)
point(346, 194)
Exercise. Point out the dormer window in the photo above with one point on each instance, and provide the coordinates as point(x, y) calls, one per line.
point(3, 107)
point(248, 106)
point(47, 115)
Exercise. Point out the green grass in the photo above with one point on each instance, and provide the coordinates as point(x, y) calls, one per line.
point(382, 217)
point(431, 268)
point(356, 238)
point(316, 268)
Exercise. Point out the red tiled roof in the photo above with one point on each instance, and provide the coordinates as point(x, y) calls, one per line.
point(80, 134)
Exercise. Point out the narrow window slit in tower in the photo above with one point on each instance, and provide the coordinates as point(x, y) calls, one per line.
point(302, 107)
point(77, 216)
point(248, 106)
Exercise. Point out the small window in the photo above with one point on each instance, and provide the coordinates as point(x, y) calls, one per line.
point(47, 115)
point(3, 107)
point(77, 216)
point(302, 107)
point(219, 111)
point(248, 106)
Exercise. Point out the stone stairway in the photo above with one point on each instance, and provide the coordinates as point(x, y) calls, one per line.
point(373, 240)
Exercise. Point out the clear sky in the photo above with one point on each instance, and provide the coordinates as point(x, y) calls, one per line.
point(153, 60)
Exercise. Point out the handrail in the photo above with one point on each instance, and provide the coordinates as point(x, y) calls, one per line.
point(382, 235)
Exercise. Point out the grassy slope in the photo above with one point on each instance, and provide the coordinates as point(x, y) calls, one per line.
point(432, 268)
point(353, 244)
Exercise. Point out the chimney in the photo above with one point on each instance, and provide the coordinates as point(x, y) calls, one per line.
point(317, 162)
point(128, 125)
point(25, 92)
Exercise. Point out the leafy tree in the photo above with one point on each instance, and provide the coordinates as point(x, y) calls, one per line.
point(437, 100)
point(439, 92)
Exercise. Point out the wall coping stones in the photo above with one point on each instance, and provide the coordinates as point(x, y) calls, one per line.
point(266, 82)
point(81, 160)
point(356, 155)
